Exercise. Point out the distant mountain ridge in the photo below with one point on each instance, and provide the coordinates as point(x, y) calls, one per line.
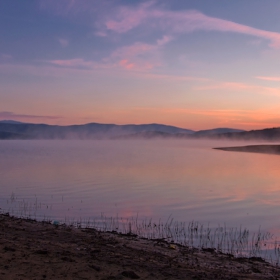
point(10, 129)
point(217, 131)
point(269, 134)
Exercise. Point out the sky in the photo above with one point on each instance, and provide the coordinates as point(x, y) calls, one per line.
point(195, 64)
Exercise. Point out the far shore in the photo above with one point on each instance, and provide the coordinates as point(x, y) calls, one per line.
point(41, 250)
point(264, 149)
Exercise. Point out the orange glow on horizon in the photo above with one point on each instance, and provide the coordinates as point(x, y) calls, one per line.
point(184, 118)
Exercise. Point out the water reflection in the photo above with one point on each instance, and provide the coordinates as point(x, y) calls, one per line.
point(186, 179)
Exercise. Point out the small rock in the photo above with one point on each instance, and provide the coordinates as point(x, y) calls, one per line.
point(256, 270)
point(97, 268)
point(6, 248)
point(210, 250)
point(41, 252)
point(130, 274)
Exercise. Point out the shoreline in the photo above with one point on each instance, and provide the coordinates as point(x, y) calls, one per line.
point(262, 149)
point(31, 249)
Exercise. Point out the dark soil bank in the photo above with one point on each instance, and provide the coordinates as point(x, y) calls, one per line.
point(265, 149)
point(38, 250)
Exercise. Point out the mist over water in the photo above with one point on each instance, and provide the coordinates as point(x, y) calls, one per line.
point(150, 178)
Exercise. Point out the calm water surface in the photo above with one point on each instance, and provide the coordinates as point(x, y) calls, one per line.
point(185, 179)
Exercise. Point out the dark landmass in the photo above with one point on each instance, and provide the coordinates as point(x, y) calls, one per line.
point(40, 250)
point(266, 149)
point(87, 131)
point(164, 135)
point(145, 135)
point(16, 130)
point(215, 131)
point(268, 134)
point(12, 135)
point(152, 135)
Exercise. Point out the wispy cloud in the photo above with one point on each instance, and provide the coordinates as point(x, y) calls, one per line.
point(72, 63)
point(42, 69)
point(225, 85)
point(79, 67)
point(6, 56)
point(128, 18)
point(14, 116)
point(150, 18)
point(63, 42)
point(274, 79)
point(120, 19)
point(234, 86)
point(139, 56)
point(175, 78)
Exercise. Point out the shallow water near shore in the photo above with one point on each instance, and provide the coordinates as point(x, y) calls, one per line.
point(185, 179)
point(184, 191)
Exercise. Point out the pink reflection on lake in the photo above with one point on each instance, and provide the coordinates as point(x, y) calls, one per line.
point(185, 179)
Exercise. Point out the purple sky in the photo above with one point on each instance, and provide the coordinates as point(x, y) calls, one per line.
point(195, 64)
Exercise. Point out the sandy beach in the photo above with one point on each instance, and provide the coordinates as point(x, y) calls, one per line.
point(40, 250)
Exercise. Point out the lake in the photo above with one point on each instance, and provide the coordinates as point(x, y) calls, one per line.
point(183, 180)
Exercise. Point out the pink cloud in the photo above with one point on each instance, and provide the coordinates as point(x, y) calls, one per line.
point(173, 78)
point(45, 69)
point(274, 79)
point(125, 63)
point(101, 34)
point(75, 67)
point(120, 59)
point(225, 85)
point(139, 56)
point(63, 42)
point(134, 50)
point(129, 18)
point(123, 19)
point(75, 63)
point(181, 22)
point(164, 40)
point(232, 86)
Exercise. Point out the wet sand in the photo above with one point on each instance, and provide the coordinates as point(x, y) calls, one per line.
point(40, 250)
point(265, 149)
